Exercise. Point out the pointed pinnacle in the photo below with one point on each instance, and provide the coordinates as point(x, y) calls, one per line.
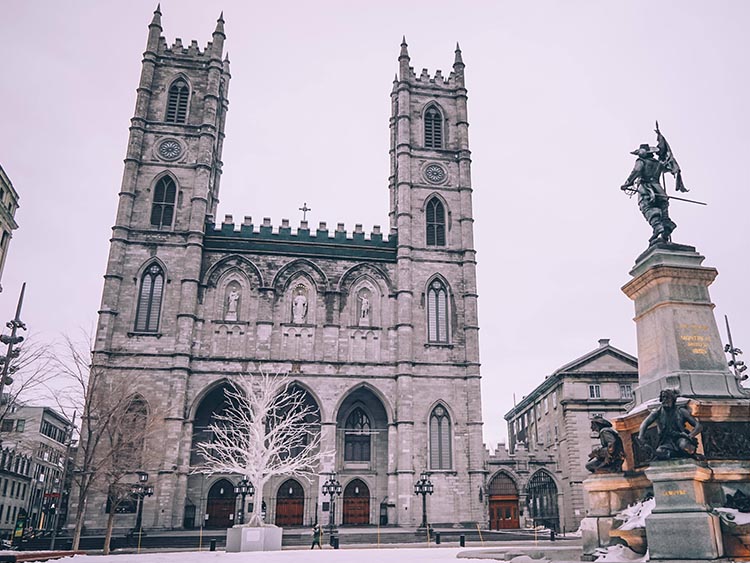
point(404, 49)
point(458, 60)
point(220, 24)
point(226, 57)
point(156, 20)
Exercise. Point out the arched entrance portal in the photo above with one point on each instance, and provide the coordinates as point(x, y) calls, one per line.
point(220, 505)
point(290, 504)
point(503, 501)
point(356, 504)
point(542, 498)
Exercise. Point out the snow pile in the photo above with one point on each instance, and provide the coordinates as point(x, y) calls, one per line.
point(619, 553)
point(635, 516)
point(733, 516)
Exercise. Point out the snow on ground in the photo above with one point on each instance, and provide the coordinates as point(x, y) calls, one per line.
point(621, 554)
point(400, 555)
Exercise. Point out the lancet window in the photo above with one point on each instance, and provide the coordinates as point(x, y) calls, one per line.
point(435, 216)
point(149, 300)
point(433, 128)
point(177, 102)
point(437, 312)
point(162, 209)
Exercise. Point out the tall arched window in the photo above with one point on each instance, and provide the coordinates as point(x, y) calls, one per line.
point(149, 300)
point(440, 439)
point(433, 128)
point(177, 102)
point(129, 434)
point(435, 214)
point(437, 312)
point(357, 436)
point(162, 210)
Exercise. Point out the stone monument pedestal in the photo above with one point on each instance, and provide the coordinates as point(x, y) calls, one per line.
point(245, 538)
point(681, 525)
point(679, 347)
point(607, 494)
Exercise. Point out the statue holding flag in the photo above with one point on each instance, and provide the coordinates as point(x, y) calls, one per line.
point(653, 200)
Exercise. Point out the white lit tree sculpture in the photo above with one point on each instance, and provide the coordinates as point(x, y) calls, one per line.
point(267, 428)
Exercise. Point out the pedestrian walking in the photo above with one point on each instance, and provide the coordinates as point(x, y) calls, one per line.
point(316, 536)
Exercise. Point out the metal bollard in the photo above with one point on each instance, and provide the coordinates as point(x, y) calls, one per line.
point(335, 542)
point(552, 535)
point(212, 545)
point(437, 538)
point(462, 540)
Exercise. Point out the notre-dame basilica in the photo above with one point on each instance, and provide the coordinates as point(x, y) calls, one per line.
point(380, 329)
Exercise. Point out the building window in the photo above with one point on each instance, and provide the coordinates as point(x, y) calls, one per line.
point(435, 222)
point(626, 391)
point(357, 437)
point(149, 300)
point(554, 399)
point(546, 405)
point(162, 210)
point(437, 313)
point(433, 128)
point(595, 392)
point(440, 439)
point(177, 103)
point(20, 425)
point(538, 411)
point(7, 426)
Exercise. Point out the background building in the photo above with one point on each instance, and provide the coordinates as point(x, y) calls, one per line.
point(40, 433)
point(380, 332)
point(555, 419)
point(8, 206)
point(15, 481)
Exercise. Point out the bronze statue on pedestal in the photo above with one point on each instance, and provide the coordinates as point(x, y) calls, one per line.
point(609, 457)
point(674, 440)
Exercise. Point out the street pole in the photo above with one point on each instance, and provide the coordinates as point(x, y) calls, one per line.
point(62, 484)
point(14, 324)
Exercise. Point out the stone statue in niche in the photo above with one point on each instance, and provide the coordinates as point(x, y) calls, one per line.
point(609, 456)
point(674, 439)
point(232, 304)
point(299, 305)
point(364, 309)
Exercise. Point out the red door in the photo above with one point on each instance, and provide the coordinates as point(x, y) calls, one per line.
point(290, 504)
point(503, 513)
point(356, 504)
point(220, 505)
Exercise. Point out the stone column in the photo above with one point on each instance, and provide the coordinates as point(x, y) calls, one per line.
point(678, 341)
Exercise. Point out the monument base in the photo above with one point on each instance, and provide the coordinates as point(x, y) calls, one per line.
point(681, 525)
point(244, 538)
point(606, 495)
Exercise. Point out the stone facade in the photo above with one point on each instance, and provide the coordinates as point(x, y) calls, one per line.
point(8, 206)
point(555, 419)
point(15, 478)
point(383, 327)
point(40, 433)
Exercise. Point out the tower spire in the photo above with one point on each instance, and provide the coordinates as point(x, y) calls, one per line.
point(220, 24)
point(403, 60)
point(458, 61)
point(156, 20)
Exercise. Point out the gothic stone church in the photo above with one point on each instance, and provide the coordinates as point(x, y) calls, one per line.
point(381, 332)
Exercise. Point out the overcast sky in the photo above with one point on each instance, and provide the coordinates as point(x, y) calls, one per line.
point(559, 94)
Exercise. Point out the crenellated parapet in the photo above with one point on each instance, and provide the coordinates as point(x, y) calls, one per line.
point(302, 241)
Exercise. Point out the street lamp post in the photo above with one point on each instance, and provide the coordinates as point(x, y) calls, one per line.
point(140, 490)
point(242, 489)
point(10, 339)
point(332, 488)
point(424, 487)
